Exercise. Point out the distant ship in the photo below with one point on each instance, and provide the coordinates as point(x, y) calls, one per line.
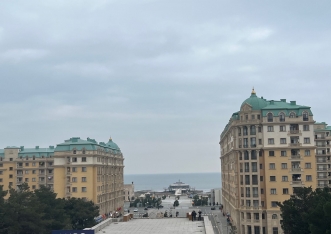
point(179, 185)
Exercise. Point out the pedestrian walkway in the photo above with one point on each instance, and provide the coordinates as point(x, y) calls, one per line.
point(160, 226)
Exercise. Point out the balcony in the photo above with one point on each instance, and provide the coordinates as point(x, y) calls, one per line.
point(296, 182)
point(296, 170)
point(19, 175)
point(320, 138)
point(325, 177)
point(322, 161)
point(296, 132)
point(322, 185)
point(295, 157)
point(322, 169)
point(246, 146)
point(294, 144)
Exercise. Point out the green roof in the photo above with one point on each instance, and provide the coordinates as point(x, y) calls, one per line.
point(255, 102)
point(89, 144)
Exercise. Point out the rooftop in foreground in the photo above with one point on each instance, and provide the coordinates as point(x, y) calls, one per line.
point(160, 226)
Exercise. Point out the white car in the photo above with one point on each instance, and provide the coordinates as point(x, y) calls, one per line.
point(135, 210)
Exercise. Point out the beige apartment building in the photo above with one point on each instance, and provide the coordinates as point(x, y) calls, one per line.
point(267, 151)
point(76, 168)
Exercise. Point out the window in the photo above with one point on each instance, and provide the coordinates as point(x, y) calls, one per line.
point(74, 159)
point(0, 180)
point(84, 151)
point(261, 178)
point(74, 179)
point(275, 230)
point(292, 115)
point(282, 128)
point(33, 179)
point(285, 190)
point(253, 116)
point(260, 141)
point(281, 117)
point(84, 169)
point(271, 153)
point(270, 141)
point(33, 187)
point(1, 172)
point(274, 216)
point(259, 129)
point(270, 117)
point(283, 153)
point(1, 165)
point(262, 191)
point(74, 151)
point(284, 165)
point(84, 179)
point(305, 127)
point(33, 171)
point(84, 189)
point(74, 189)
point(26, 172)
point(83, 159)
point(308, 165)
point(284, 178)
point(261, 166)
point(307, 152)
point(10, 176)
point(258, 117)
point(26, 179)
point(272, 166)
point(309, 178)
point(273, 191)
point(305, 116)
point(26, 164)
point(246, 117)
point(272, 178)
point(306, 140)
point(10, 159)
point(34, 164)
point(10, 183)
point(74, 169)
point(283, 140)
point(10, 168)
point(270, 128)
point(273, 204)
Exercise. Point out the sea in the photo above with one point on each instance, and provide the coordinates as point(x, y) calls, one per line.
point(160, 182)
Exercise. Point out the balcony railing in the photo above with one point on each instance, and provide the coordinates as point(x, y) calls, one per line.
point(323, 169)
point(296, 169)
point(295, 157)
point(294, 132)
point(294, 144)
point(323, 177)
point(320, 137)
point(322, 161)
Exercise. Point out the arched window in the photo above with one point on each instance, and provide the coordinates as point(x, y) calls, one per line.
point(274, 216)
point(270, 117)
point(281, 117)
point(292, 115)
point(305, 116)
point(74, 151)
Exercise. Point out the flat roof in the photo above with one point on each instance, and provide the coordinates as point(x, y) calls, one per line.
point(160, 226)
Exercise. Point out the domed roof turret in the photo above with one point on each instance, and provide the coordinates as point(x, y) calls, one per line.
point(255, 102)
point(112, 145)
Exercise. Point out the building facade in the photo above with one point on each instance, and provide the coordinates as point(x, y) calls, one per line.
point(128, 192)
point(76, 168)
point(267, 151)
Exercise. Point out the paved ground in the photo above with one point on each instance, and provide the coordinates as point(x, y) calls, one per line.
point(162, 226)
point(215, 216)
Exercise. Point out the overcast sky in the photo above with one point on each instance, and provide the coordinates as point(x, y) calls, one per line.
point(161, 77)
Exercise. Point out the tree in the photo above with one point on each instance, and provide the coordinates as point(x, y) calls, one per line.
point(25, 212)
point(81, 213)
point(307, 211)
point(53, 209)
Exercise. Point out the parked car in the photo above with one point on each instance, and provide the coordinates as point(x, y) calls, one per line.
point(135, 210)
point(160, 206)
point(149, 206)
point(213, 208)
point(146, 208)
